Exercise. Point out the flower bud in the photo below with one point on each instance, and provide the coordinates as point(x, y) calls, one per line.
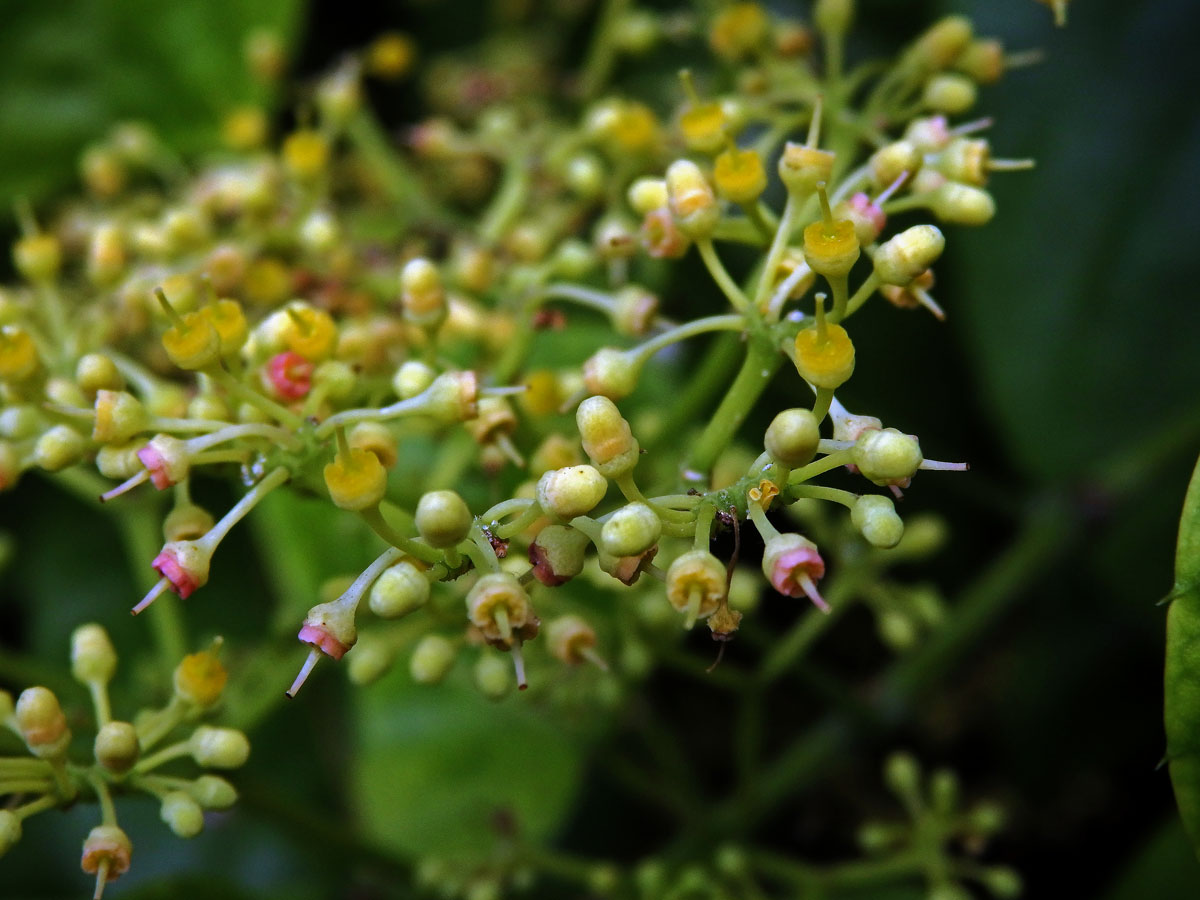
point(570, 638)
point(182, 814)
point(802, 168)
point(647, 194)
point(432, 659)
point(493, 676)
point(330, 627)
point(58, 448)
point(116, 747)
point(691, 199)
point(95, 372)
point(962, 204)
point(892, 160)
point(942, 42)
point(305, 154)
point(421, 294)
point(585, 176)
point(1002, 881)
point(412, 378)
point(610, 373)
point(696, 584)
point(792, 437)
point(219, 748)
point(19, 359)
point(928, 134)
point(93, 657)
point(356, 480)
point(400, 590)
point(866, 215)
point(185, 564)
point(703, 127)
point(631, 530)
point(200, 678)
point(213, 792)
point(558, 554)
point(569, 492)
point(949, 93)
point(887, 456)
point(10, 830)
point(442, 518)
point(37, 257)
point(41, 723)
point(793, 566)
point(166, 459)
point(875, 518)
point(607, 438)
point(833, 17)
point(372, 659)
point(187, 522)
point(452, 397)
point(106, 845)
point(904, 257)
point(738, 30)
point(119, 416)
point(983, 61)
point(902, 775)
point(626, 569)
point(634, 311)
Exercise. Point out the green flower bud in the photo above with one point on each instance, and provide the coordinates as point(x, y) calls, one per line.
point(443, 518)
point(493, 676)
point(412, 378)
point(792, 437)
point(10, 830)
point(213, 792)
point(607, 438)
point(924, 535)
point(219, 748)
point(892, 160)
point(876, 837)
point(902, 775)
point(585, 175)
point(38, 257)
point(611, 373)
point(962, 204)
point(899, 260)
point(1002, 881)
point(875, 518)
point(116, 747)
point(949, 93)
point(421, 294)
point(944, 791)
point(896, 629)
point(887, 456)
point(631, 530)
point(986, 818)
point(558, 554)
point(452, 397)
point(691, 200)
point(570, 492)
point(182, 814)
point(833, 17)
point(647, 194)
point(802, 168)
point(41, 723)
point(372, 659)
point(942, 42)
point(432, 659)
point(58, 448)
point(20, 421)
point(95, 372)
point(187, 522)
point(93, 657)
point(400, 590)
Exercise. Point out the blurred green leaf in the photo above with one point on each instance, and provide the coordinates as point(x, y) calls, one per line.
point(1068, 300)
point(437, 764)
point(72, 68)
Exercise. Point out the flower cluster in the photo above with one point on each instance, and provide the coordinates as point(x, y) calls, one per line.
point(295, 314)
point(126, 755)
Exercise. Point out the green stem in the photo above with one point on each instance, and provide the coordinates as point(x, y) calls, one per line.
point(761, 363)
point(708, 253)
point(508, 201)
point(380, 526)
point(602, 52)
point(254, 398)
point(824, 464)
point(730, 322)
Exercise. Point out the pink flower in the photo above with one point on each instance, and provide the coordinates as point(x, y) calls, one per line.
point(166, 459)
point(289, 374)
point(317, 636)
point(185, 566)
point(793, 566)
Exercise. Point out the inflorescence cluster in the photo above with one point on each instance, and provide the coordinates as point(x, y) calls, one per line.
point(291, 314)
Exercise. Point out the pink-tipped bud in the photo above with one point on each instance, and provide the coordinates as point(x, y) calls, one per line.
point(184, 564)
point(289, 375)
point(166, 459)
point(793, 566)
